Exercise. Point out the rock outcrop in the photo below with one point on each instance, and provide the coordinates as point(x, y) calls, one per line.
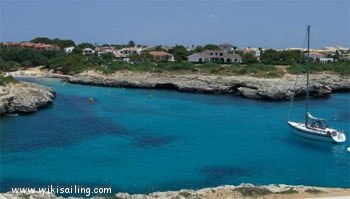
point(245, 86)
point(24, 97)
point(227, 191)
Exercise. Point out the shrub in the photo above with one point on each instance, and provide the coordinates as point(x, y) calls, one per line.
point(288, 191)
point(176, 66)
point(337, 67)
point(314, 191)
point(253, 191)
point(7, 79)
point(257, 69)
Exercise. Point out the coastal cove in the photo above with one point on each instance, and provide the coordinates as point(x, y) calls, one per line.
point(146, 140)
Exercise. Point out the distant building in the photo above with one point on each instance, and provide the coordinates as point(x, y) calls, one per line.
point(255, 51)
point(227, 47)
point(161, 55)
point(69, 49)
point(88, 51)
point(125, 53)
point(190, 48)
point(326, 60)
point(214, 56)
point(30, 45)
point(335, 50)
point(105, 49)
point(346, 57)
point(316, 56)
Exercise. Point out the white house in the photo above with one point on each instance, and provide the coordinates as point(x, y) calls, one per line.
point(326, 60)
point(161, 55)
point(316, 56)
point(124, 53)
point(214, 56)
point(88, 51)
point(130, 50)
point(69, 49)
point(198, 57)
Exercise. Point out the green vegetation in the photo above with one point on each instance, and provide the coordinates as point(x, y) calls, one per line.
point(12, 59)
point(199, 49)
point(7, 79)
point(249, 58)
point(175, 66)
point(70, 63)
point(180, 53)
point(314, 191)
point(62, 43)
point(256, 70)
point(340, 67)
point(253, 191)
point(211, 67)
point(185, 194)
point(146, 66)
point(131, 43)
point(275, 57)
point(288, 191)
point(121, 65)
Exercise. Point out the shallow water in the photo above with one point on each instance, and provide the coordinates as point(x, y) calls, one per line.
point(141, 141)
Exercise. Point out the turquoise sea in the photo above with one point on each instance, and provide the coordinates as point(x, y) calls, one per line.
point(141, 140)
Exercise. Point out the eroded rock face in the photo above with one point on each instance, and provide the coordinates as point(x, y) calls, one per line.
point(245, 86)
point(24, 97)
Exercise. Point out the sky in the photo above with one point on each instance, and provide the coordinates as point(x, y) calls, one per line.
point(244, 23)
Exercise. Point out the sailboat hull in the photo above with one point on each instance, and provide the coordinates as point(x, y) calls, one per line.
point(317, 129)
point(321, 135)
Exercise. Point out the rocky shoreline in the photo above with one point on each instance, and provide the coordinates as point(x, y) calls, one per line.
point(24, 97)
point(228, 191)
point(244, 86)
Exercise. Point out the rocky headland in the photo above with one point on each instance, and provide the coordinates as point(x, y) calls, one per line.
point(222, 192)
point(245, 86)
point(24, 97)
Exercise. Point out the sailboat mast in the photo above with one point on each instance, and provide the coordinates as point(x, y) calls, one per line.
point(307, 77)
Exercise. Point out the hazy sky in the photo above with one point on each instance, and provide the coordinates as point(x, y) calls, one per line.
point(255, 23)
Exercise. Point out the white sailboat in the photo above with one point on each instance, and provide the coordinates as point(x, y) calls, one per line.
point(313, 127)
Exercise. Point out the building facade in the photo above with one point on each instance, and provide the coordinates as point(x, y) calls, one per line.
point(215, 56)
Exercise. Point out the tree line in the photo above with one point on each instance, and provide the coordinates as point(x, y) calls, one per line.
point(13, 58)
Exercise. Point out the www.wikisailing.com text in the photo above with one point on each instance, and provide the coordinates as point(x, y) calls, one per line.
point(74, 189)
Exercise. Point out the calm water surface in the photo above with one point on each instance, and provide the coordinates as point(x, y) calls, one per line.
point(147, 140)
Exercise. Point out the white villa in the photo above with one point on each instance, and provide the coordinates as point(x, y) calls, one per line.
point(124, 53)
point(69, 49)
point(326, 60)
point(88, 51)
point(215, 56)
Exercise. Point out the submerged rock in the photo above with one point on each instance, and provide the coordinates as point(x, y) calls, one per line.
point(24, 97)
point(248, 87)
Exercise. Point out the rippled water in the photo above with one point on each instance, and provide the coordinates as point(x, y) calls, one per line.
point(147, 140)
